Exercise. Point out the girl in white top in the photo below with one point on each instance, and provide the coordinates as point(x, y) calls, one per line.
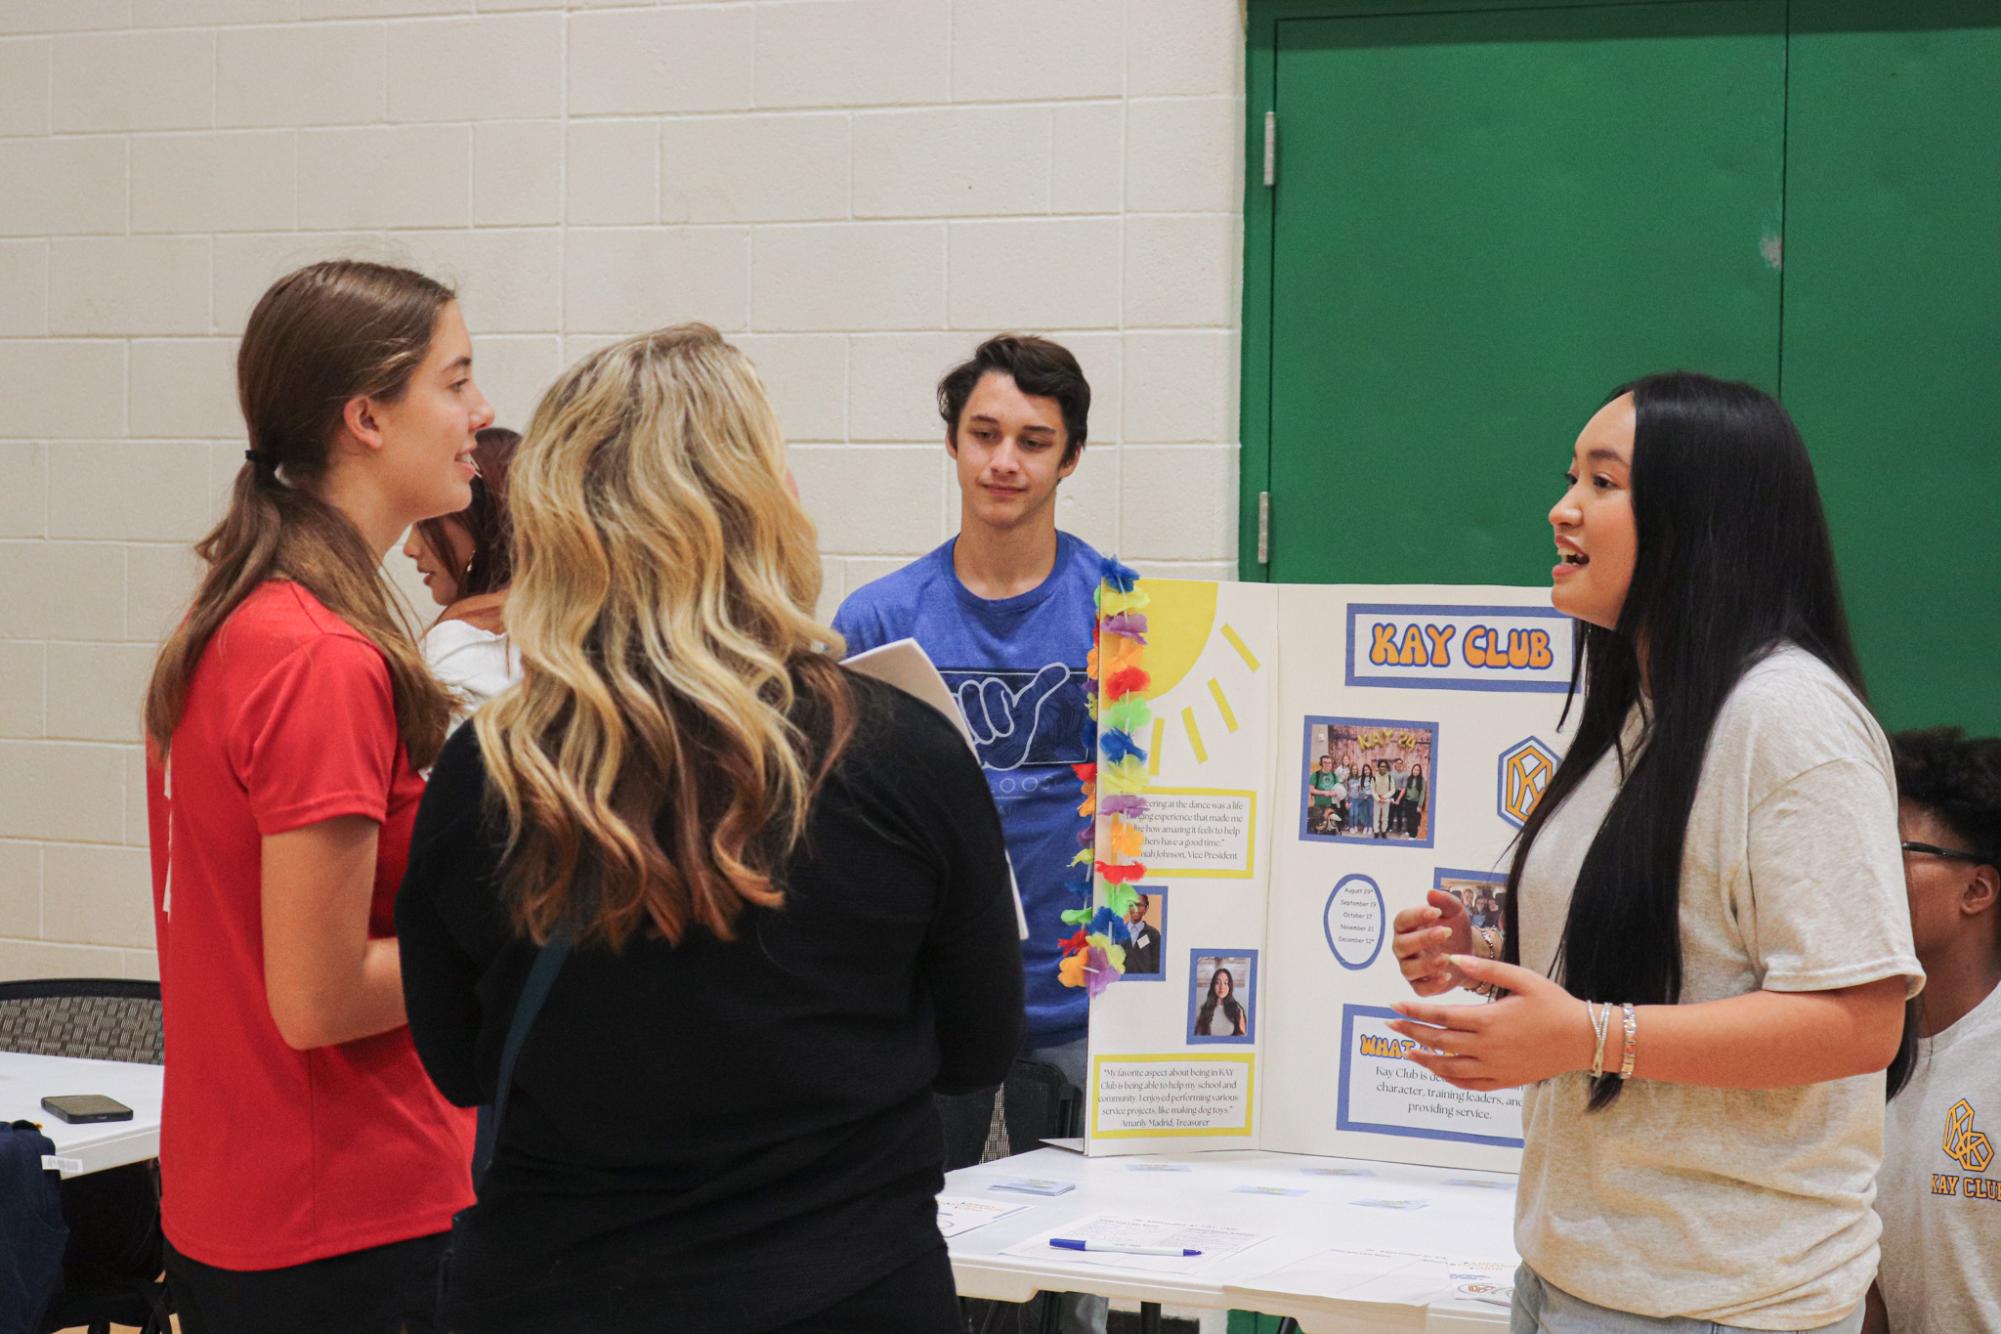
point(467, 563)
point(1707, 905)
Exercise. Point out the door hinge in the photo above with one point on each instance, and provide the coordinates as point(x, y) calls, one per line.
point(1264, 527)
point(1271, 148)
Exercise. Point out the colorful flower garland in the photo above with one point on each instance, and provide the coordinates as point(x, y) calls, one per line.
point(1114, 788)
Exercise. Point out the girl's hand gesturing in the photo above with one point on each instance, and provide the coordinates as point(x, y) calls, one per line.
point(1426, 938)
point(1537, 1031)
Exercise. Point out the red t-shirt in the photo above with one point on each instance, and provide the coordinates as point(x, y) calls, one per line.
point(269, 1156)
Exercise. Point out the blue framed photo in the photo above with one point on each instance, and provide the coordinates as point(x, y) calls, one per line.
point(1369, 781)
point(1146, 921)
point(1223, 997)
point(1482, 893)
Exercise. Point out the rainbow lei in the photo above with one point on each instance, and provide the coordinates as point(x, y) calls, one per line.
point(1114, 788)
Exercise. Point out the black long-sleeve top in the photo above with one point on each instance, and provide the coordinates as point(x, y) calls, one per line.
point(724, 1136)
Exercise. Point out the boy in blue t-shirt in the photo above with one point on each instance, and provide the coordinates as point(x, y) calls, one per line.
point(1005, 610)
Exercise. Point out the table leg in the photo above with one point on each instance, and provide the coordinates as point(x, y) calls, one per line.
point(1149, 1318)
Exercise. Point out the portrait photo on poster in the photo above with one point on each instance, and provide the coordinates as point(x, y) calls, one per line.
point(1483, 894)
point(1222, 996)
point(1368, 780)
point(1146, 923)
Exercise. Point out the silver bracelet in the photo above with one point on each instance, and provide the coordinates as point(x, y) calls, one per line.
point(1632, 1048)
point(1601, 1023)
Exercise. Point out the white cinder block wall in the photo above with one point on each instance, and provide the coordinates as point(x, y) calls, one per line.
point(854, 190)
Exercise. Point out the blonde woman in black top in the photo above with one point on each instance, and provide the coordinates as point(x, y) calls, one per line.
point(786, 884)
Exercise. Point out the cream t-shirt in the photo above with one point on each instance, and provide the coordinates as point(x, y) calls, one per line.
point(1940, 1191)
point(1745, 1207)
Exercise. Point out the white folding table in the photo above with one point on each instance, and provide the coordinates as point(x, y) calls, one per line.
point(25, 1080)
point(1465, 1215)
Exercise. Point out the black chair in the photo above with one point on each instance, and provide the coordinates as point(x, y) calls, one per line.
point(112, 1267)
point(1036, 1103)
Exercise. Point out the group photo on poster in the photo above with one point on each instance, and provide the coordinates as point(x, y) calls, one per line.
point(1368, 779)
point(1483, 894)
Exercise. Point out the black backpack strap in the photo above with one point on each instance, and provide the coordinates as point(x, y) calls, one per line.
point(541, 977)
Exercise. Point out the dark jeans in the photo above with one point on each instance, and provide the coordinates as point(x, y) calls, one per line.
point(383, 1290)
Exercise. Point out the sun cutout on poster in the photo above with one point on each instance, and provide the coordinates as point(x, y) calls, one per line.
point(1183, 613)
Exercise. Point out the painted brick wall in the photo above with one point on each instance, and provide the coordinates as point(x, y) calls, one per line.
point(854, 190)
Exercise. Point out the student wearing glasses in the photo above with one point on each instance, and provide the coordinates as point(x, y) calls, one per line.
point(1936, 1197)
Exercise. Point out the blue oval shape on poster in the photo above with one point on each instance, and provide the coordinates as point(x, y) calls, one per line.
point(1354, 920)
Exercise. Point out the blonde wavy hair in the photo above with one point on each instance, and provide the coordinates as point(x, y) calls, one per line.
point(653, 763)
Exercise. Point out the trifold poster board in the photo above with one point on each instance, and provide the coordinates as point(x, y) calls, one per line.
point(1287, 767)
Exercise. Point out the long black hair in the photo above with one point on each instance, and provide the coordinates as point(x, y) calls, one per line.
point(1733, 560)
point(1233, 1009)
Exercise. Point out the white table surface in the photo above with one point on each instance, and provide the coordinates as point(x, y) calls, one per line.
point(25, 1080)
point(1463, 1221)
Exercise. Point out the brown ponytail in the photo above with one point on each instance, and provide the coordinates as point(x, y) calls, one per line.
point(321, 336)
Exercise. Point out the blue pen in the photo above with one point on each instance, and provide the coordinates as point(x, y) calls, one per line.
point(1078, 1244)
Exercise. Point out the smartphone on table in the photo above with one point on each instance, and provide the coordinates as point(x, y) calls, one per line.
point(81, 1109)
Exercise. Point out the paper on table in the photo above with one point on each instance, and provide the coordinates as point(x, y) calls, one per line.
point(1213, 1241)
point(963, 1213)
point(1375, 1276)
point(1430, 1279)
point(903, 663)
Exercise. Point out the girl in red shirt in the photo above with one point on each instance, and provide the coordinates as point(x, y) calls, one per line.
point(309, 1169)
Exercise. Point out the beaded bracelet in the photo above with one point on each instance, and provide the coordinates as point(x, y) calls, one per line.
point(1632, 1048)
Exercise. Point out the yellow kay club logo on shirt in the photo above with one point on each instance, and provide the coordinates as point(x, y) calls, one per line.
point(1972, 1150)
point(1966, 1146)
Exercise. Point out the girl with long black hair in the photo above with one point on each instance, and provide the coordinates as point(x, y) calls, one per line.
point(1705, 948)
point(1222, 1014)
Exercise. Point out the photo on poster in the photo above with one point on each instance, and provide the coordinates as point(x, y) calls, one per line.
point(1482, 893)
point(1222, 996)
point(1146, 920)
point(1368, 780)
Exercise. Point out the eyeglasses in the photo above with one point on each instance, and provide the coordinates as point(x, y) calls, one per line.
point(1951, 854)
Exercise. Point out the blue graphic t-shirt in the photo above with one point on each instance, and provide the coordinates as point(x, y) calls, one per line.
point(1017, 667)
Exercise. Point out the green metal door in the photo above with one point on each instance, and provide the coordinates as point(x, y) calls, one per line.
point(1482, 222)
point(1893, 336)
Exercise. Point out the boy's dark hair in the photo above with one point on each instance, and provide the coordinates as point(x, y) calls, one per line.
point(1039, 367)
point(1957, 779)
